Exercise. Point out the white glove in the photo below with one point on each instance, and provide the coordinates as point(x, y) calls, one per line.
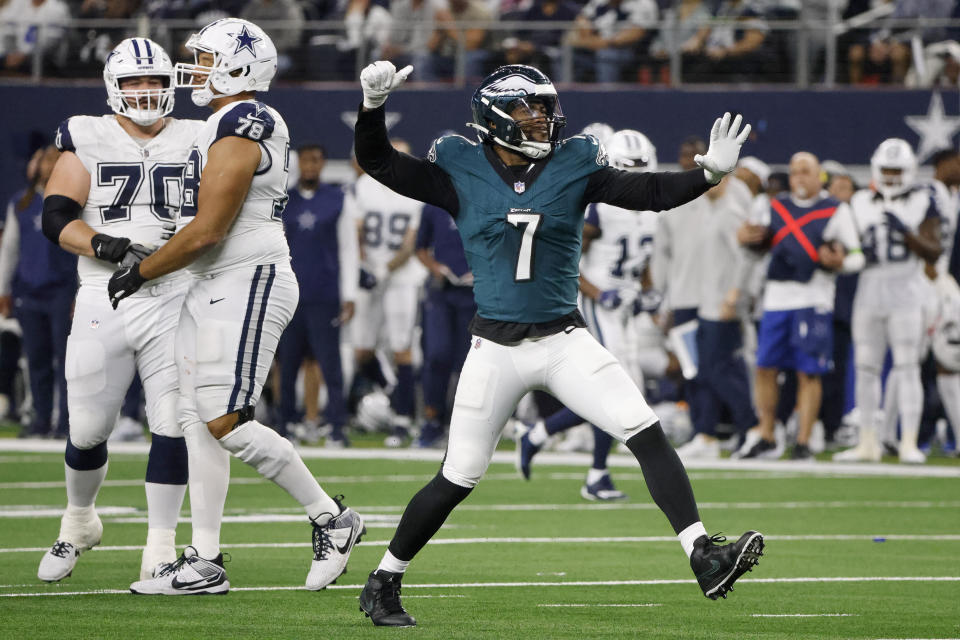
point(379, 79)
point(721, 157)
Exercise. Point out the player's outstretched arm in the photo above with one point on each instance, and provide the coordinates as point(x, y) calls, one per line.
point(724, 150)
point(415, 178)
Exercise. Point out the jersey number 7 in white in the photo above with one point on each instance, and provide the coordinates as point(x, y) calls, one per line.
point(530, 222)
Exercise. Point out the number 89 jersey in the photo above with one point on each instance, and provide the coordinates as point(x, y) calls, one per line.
point(894, 274)
point(135, 185)
point(256, 236)
point(384, 218)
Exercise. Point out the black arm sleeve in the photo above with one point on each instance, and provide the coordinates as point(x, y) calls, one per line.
point(645, 191)
point(415, 178)
point(58, 212)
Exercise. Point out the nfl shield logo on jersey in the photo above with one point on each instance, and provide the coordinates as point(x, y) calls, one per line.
point(476, 345)
point(519, 187)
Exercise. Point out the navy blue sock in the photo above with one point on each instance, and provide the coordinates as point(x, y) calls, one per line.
point(561, 421)
point(403, 399)
point(167, 462)
point(601, 447)
point(85, 459)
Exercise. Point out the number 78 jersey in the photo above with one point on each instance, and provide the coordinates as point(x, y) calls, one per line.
point(893, 271)
point(134, 188)
point(256, 236)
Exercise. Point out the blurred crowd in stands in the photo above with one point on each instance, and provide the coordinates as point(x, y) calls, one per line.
point(912, 42)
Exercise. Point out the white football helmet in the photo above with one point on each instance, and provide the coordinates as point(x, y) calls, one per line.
point(244, 59)
point(599, 130)
point(374, 412)
point(631, 150)
point(139, 57)
point(893, 153)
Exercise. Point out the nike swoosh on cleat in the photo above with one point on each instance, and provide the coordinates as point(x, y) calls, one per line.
point(346, 547)
point(212, 301)
point(176, 584)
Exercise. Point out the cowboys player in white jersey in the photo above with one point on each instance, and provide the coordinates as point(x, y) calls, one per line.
point(389, 286)
point(113, 195)
point(617, 244)
point(241, 296)
point(900, 229)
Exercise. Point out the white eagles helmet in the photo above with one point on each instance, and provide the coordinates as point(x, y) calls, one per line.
point(139, 57)
point(244, 59)
point(599, 130)
point(893, 153)
point(631, 150)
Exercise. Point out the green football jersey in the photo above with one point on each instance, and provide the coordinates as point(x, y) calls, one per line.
point(521, 234)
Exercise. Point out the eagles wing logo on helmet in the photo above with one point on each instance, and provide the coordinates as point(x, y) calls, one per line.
point(507, 89)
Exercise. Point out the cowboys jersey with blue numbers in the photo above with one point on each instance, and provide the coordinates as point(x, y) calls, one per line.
point(256, 236)
point(948, 203)
point(893, 275)
point(135, 185)
point(621, 252)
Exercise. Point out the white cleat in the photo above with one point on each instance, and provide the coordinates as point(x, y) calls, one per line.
point(751, 438)
point(911, 455)
point(860, 453)
point(80, 530)
point(332, 544)
point(189, 575)
point(701, 447)
point(159, 552)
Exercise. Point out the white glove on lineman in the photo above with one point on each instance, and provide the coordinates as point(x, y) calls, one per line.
point(379, 79)
point(721, 157)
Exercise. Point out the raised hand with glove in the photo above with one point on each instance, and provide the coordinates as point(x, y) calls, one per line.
point(379, 79)
point(724, 150)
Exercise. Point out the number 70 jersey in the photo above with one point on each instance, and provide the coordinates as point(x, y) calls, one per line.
point(135, 185)
point(256, 236)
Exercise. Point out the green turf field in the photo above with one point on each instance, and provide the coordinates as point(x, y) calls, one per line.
point(847, 557)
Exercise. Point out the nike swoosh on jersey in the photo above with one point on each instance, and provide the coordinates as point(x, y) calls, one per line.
point(212, 301)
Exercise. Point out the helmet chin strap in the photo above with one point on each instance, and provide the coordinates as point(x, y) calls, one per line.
point(533, 150)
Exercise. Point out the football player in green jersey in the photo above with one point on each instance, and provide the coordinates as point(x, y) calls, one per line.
point(518, 196)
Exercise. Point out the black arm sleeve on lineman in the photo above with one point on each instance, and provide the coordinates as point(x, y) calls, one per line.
point(415, 178)
point(645, 191)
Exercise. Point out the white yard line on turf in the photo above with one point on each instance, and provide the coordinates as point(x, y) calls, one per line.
point(280, 515)
point(804, 615)
point(488, 585)
point(550, 457)
point(891, 537)
point(638, 604)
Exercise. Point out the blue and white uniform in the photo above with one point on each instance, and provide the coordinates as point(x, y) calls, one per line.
point(243, 292)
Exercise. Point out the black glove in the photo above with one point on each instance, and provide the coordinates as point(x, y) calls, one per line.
point(367, 279)
point(135, 254)
point(124, 283)
point(109, 248)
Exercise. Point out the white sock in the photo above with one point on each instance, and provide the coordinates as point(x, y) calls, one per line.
point(594, 475)
point(209, 467)
point(163, 504)
point(391, 564)
point(274, 458)
point(83, 486)
point(538, 435)
point(689, 535)
point(161, 538)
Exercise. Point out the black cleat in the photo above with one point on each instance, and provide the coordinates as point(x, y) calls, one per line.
point(718, 567)
point(380, 600)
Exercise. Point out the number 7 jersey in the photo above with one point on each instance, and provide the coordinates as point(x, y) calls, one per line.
point(256, 236)
point(135, 185)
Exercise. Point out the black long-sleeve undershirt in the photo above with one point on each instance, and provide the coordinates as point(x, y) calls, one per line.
point(420, 179)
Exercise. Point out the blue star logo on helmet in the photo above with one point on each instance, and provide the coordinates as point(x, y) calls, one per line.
point(246, 40)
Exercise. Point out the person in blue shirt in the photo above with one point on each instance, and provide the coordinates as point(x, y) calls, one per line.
point(447, 311)
point(518, 197)
point(323, 253)
point(38, 282)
